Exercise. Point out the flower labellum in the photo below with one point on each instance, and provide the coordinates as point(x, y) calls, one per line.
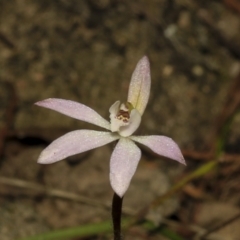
point(125, 119)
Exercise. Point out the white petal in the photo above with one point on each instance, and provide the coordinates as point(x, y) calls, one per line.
point(134, 122)
point(74, 110)
point(161, 145)
point(139, 89)
point(123, 164)
point(73, 143)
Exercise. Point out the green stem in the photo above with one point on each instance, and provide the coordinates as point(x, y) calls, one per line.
point(207, 167)
point(106, 227)
point(69, 233)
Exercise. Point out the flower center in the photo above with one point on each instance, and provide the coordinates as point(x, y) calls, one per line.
point(124, 112)
point(124, 118)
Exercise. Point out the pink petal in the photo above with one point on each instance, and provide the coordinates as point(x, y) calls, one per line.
point(75, 110)
point(73, 143)
point(161, 145)
point(123, 164)
point(139, 89)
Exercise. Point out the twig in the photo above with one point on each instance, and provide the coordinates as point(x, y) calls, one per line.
point(140, 216)
point(205, 17)
point(8, 115)
point(6, 41)
point(230, 107)
point(221, 225)
point(233, 4)
point(57, 193)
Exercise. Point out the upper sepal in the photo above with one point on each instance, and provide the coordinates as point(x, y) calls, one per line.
point(139, 89)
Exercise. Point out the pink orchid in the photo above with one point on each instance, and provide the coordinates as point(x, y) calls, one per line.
point(125, 118)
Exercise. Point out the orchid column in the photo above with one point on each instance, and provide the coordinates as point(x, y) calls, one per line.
point(125, 118)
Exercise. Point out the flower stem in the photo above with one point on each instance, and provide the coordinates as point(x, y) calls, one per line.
point(116, 216)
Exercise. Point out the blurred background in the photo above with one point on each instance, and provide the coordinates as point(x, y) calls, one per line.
point(86, 51)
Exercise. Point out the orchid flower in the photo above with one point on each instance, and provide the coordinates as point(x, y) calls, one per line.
point(125, 118)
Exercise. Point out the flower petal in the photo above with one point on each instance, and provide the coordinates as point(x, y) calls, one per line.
point(161, 145)
point(140, 84)
point(75, 110)
point(123, 164)
point(73, 143)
